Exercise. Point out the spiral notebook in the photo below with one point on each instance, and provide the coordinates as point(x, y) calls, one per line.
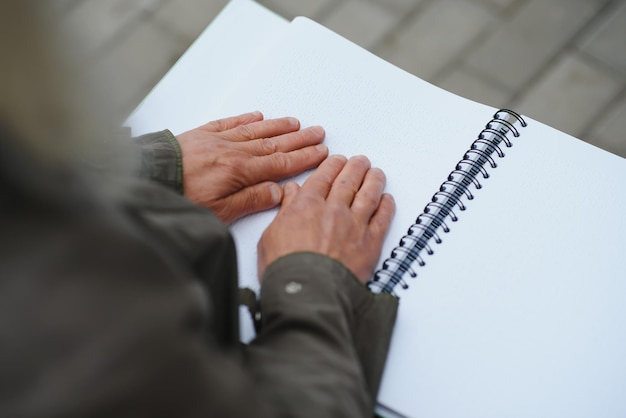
point(507, 247)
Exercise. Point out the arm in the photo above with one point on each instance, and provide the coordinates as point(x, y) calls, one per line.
point(323, 332)
point(324, 338)
point(103, 315)
point(160, 159)
point(231, 165)
point(114, 324)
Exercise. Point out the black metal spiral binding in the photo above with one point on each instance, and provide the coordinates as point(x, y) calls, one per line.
point(466, 173)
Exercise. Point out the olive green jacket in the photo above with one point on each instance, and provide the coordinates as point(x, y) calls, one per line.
point(119, 297)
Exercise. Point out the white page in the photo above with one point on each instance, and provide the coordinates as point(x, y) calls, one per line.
point(189, 94)
point(522, 310)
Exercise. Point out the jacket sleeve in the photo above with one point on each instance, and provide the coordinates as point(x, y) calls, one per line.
point(321, 349)
point(119, 310)
point(160, 159)
point(323, 341)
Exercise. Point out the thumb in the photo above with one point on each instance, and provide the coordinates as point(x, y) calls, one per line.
point(253, 199)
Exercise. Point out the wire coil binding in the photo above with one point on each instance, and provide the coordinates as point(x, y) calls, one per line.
point(474, 164)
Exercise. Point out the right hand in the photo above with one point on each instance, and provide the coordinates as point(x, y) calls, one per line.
point(340, 211)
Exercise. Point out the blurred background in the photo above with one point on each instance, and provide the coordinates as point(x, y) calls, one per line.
point(562, 62)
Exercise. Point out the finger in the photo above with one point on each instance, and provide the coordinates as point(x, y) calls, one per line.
point(320, 182)
point(287, 142)
point(349, 181)
point(282, 165)
point(381, 220)
point(289, 193)
point(368, 197)
point(262, 129)
point(252, 199)
point(233, 122)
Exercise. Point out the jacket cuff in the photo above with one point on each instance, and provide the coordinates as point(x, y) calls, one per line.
point(297, 281)
point(161, 159)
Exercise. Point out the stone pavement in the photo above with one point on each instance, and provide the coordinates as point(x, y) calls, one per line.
point(562, 62)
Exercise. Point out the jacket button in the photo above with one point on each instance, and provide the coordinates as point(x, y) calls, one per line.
point(293, 287)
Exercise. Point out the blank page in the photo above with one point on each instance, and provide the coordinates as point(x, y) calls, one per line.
point(521, 311)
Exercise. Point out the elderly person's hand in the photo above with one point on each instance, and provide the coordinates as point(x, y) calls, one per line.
point(231, 165)
point(340, 211)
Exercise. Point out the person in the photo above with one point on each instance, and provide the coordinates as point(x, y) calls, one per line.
point(119, 291)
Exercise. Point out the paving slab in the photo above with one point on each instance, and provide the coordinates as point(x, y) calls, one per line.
point(95, 21)
point(520, 47)
point(610, 130)
point(188, 18)
point(402, 6)
point(497, 5)
point(62, 5)
point(464, 83)
point(435, 37)
point(127, 72)
point(607, 42)
point(292, 8)
point(571, 95)
point(361, 22)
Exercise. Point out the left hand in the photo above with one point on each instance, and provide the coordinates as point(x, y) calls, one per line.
point(340, 211)
point(231, 165)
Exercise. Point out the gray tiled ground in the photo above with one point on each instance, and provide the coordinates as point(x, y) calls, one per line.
point(436, 36)
point(369, 22)
point(574, 92)
point(606, 42)
point(521, 46)
point(560, 61)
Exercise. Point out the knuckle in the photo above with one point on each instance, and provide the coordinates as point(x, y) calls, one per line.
point(361, 161)
point(268, 146)
point(371, 200)
point(335, 210)
point(231, 169)
point(254, 199)
point(279, 160)
point(306, 201)
point(217, 125)
point(378, 174)
point(336, 161)
point(246, 132)
point(389, 203)
point(323, 179)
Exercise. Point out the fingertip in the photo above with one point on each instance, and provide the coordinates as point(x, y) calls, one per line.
point(388, 198)
point(378, 172)
point(385, 213)
point(390, 202)
point(339, 157)
point(293, 122)
point(290, 188)
point(290, 191)
point(378, 176)
point(318, 130)
point(322, 149)
point(276, 193)
point(337, 161)
point(251, 117)
point(363, 159)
